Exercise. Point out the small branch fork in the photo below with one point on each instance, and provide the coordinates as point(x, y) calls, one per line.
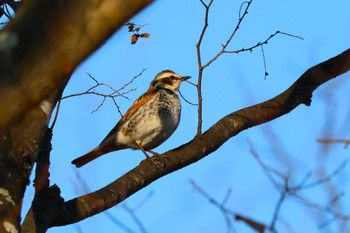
point(245, 6)
point(8, 8)
point(82, 186)
point(92, 91)
point(114, 94)
point(282, 183)
point(228, 214)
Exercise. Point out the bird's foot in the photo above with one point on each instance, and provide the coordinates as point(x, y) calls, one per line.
point(158, 159)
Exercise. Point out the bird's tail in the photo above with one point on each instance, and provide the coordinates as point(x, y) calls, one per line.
point(88, 157)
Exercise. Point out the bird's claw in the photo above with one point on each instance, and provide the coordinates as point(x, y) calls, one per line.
point(158, 160)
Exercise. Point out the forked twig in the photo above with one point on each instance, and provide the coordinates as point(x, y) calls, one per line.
point(121, 92)
point(243, 11)
point(84, 187)
point(287, 190)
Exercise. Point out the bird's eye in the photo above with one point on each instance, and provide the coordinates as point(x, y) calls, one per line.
point(172, 77)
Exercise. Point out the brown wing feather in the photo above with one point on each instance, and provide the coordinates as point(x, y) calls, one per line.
point(146, 97)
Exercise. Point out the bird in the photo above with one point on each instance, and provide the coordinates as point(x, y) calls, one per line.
point(149, 122)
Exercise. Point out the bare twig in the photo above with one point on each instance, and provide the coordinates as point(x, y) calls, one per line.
point(324, 179)
point(131, 212)
point(259, 44)
point(228, 214)
point(264, 60)
point(187, 101)
point(84, 187)
point(200, 66)
point(240, 20)
point(269, 171)
point(277, 210)
point(287, 190)
point(325, 208)
point(114, 94)
point(92, 91)
point(346, 142)
point(57, 110)
point(243, 11)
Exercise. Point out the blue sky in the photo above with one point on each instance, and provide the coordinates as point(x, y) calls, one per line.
point(231, 83)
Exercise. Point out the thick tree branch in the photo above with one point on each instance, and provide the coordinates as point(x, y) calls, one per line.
point(299, 93)
point(43, 44)
point(39, 49)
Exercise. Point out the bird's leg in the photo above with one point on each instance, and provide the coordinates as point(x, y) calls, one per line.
point(138, 143)
point(155, 160)
point(153, 153)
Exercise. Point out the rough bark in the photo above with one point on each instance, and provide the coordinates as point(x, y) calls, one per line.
point(44, 43)
point(39, 49)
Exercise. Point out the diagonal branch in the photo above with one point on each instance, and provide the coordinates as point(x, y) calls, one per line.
point(29, 66)
point(299, 93)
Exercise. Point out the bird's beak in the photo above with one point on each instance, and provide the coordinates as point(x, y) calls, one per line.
point(184, 78)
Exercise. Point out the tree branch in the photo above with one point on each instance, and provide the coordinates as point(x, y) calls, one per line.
point(39, 49)
point(29, 66)
point(299, 93)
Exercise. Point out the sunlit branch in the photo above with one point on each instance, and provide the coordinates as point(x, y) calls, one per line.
point(229, 126)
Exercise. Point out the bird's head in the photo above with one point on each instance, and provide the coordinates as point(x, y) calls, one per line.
point(167, 79)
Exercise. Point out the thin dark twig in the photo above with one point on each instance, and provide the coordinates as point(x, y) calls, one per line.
point(224, 46)
point(324, 179)
point(56, 115)
point(286, 190)
point(346, 142)
point(192, 83)
point(113, 95)
point(264, 62)
point(144, 200)
point(323, 208)
point(212, 200)
point(206, 5)
point(277, 210)
point(260, 44)
point(241, 7)
point(187, 101)
point(119, 223)
point(102, 102)
point(6, 12)
point(85, 188)
point(268, 170)
point(227, 213)
point(200, 66)
point(227, 197)
point(131, 212)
